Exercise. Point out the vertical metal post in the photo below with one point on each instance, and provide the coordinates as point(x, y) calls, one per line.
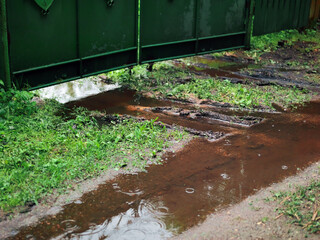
point(196, 25)
point(138, 31)
point(78, 39)
point(5, 44)
point(249, 24)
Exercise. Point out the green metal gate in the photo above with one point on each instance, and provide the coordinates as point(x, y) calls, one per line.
point(74, 38)
point(179, 28)
point(45, 42)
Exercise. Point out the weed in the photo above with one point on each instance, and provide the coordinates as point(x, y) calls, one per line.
point(302, 206)
point(287, 38)
point(171, 82)
point(163, 76)
point(42, 150)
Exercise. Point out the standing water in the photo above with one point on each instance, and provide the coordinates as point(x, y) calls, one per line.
point(201, 179)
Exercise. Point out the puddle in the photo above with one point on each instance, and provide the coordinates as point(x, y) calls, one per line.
point(70, 91)
point(203, 178)
point(217, 63)
point(240, 72)
point(122, 101)
point(217, 67)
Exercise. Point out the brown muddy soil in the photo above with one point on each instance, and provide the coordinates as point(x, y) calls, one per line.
point(203, 178)
point(237, 153)
point(209, 116)
point(291, 65)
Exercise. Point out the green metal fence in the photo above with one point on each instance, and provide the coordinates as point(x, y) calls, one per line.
point(45, 42)
point(276, 15)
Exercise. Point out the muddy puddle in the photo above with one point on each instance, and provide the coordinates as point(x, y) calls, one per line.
point(238, 70)
point(204, 177)
point(127, 102)
point(235, 154)
point(216, 67)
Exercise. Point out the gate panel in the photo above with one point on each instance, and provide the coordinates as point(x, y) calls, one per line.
point(222, 24)
point(38, 39)
point(107, 34)
point(167, 29)
point(171, 29)
point(73, 39)
point(276, 15)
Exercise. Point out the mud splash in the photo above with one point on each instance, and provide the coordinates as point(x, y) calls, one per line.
point(201, 179)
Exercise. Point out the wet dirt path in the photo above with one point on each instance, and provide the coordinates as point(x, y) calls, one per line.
point(237, 70)
point(204, 177)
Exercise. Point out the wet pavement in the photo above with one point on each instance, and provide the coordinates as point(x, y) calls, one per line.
point(203, 178)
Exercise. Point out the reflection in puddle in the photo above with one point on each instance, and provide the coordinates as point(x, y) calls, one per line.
point(143, 222)
point(70, 91)
point(203, 178)
point(225, 176)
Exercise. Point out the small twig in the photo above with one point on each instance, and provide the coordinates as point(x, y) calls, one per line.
point(296, 215)
point(285, 199)
point(315, 212)
point(306, 225)
point(279, 216)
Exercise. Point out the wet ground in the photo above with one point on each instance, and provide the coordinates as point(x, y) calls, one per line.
point(71, 91)
point(236, 153)
point(245, 71)
point(206, 176)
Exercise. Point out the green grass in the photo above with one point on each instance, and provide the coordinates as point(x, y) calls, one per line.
point(302, 206)
point(248, 96)
point(164, 73)
point(168, 81)
point(42, 151)
point(269, 42)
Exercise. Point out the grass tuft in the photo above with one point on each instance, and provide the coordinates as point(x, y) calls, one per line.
point(169, 81)
point(302, 206)
point(41, 150)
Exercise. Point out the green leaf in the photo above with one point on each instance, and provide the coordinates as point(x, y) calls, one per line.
point(44, 4)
